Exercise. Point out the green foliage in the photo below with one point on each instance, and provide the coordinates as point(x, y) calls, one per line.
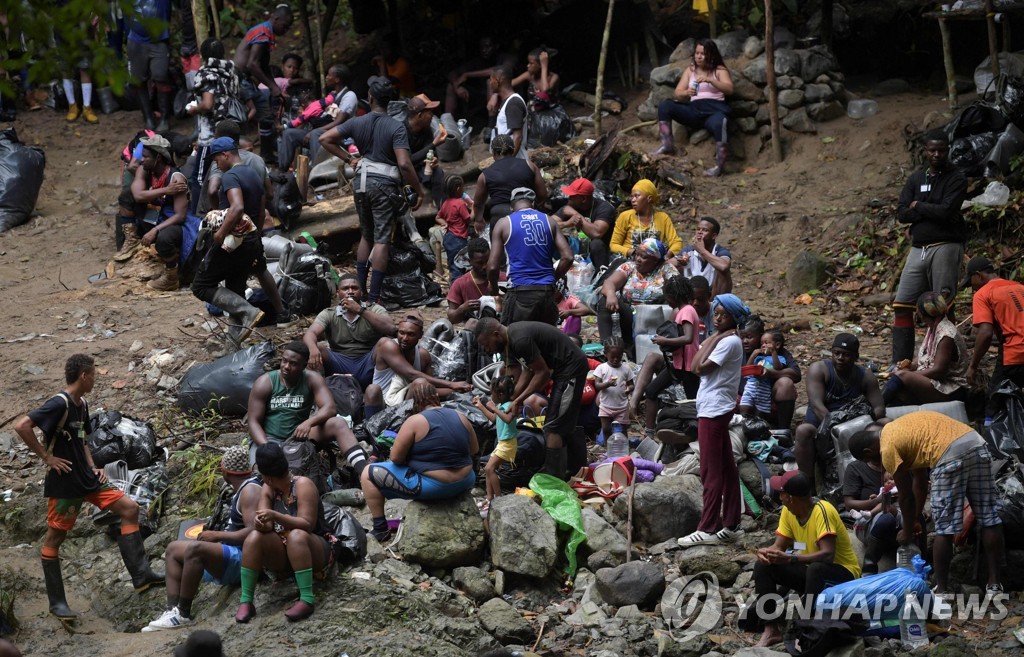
point(201, 480)
point(12, 582)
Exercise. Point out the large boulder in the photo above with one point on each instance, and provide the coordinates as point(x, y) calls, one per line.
point(816, 60)
point(638, 583)
point(747, 125)
point(757, 70)
point(791, 98)
point(744, 89)
point(601, 535)
point(503, 622)
point(817, 93)
point(787, 62)
point(648, 110)
point(752, 47)
point(827, 111)
point(731, 44)
point(751, 477)
point(798, 121)
point(523, 536)
point(715, 560)
point(743, 108)
point(683, 51)
point(443, 533)
point(474, 582)
point(667, 75)
point(807, 272)
point(763, 116)
point(665, 508)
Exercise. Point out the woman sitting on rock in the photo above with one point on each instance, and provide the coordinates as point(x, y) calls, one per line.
point(641, 281)
point(290, 535)
point(705, 85)
point(432, 458)
point(940, 372)
point(642, 222)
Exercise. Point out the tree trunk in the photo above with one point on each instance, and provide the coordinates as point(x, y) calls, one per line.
point(993, 50)
point(319, 43)
point(599, 91)
point(773, 91)
point(330, 10)
point(947, 61)
point(200, 20)
point(712, 22)
point(307, 28)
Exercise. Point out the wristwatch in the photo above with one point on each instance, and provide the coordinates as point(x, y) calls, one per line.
point(792, 559)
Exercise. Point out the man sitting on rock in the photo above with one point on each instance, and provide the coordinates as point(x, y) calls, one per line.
point(594, 216)
point(812, 550)
point(704, 257)
point(281, 402)
point(831, 385)
point(214, 555)
point(397, 363)
point(466, 290)
point(352, 330)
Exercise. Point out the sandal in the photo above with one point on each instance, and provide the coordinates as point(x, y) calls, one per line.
point(698, 538)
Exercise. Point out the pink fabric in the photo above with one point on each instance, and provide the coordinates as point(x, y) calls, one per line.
point(570, 325)
point(683, 356)
point(706, 90)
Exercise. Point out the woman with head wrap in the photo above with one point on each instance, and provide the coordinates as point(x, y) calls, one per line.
point(643, 222)
point(492, 198)
point(940, 372)
point(639, 281)
point(718, 363)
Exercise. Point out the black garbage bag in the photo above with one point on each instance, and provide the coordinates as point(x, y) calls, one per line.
point(977, 118)
point(970, 153)
point(307, 287)
point(349, 537)
point(549, 126)
point(529, 461)
point(286, 199)
point(118, 437)
point(825, 446)
point(225, 383)
point(21, 176)
point(390, 419)
point(1006, 433)
point(756, 428)
point(1010, 489)
point(409, 291)
point(1011, 98)
point(347, 393)
point(146, 487)
point(403, 260)
point(463, 403)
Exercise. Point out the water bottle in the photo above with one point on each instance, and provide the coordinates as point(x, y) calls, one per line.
point(617, 445)
point(616, 324)
point(428, 168)
point(913, 633)
point(905, 556)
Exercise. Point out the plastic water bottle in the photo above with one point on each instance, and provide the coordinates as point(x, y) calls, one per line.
point(905, 556)
point(616, 324)
point(617, 445)
point(913, 633)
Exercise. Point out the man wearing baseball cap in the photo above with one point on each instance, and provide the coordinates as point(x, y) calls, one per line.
point(594, 216)
point(998, 310)
point(215, 554)
point(530, 240)
point(812, 548)
point(831, 385)
point(381, 167)
point(425, 134)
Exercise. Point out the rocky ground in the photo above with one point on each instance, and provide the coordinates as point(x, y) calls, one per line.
point(833, 192)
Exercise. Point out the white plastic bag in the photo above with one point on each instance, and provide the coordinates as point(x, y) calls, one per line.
point(995, 195)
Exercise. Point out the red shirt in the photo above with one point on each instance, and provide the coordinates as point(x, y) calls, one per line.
point(456, 214)
point(1001, 303)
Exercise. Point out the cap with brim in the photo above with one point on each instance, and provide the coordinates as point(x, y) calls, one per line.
point(523, 193)
point(579, 187)
point(847, 341)
point(793, 482)
point(975, 265)
point(422, 102)
point(158, 145)
point(222, 145)
point(201, 643)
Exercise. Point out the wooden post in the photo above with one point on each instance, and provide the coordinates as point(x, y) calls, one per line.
point(308, 34)
point(319, 47)
point(773, 91)
point(200, 20)
point(993, 50)
point(215, 12)
point(599, 92)
point(947, 61)
point(712, 23)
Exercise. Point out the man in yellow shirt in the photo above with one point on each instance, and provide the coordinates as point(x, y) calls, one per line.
point(812, 550)
point(926, 445)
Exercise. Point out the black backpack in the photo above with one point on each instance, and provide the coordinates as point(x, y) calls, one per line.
point(347, 393)
point(305, 461)
point(308, 286)
point(286, 200)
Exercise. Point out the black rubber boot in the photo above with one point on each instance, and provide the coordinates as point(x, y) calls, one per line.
point(244, 317)
point(555, 461)
point(902, 344)
point(55, 590)
point(147, 107)
point(165, 100)
point(135, 560)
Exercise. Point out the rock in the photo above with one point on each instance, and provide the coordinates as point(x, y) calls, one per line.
point(787, 62)
point(136, 347)
point(759, 652)
point(730, 44)
point(699, 646)
point(33, 369)
point(719, 563)
point(667, 507)
point(757, 70)
point(791, 98)
point(601, 535)
point(7, 440)
point(166, 382)
point(763, 116)
point(891, 87)
point(784, 37)
point(806, 272)
point(503, 622)
point(798, 121)
point(827, 111)
point(817, 93)
point(751, 477)
point(443, 534)
point(823, 79)
point(815, 61)
point(752, 47)
point(630, 612)
point(699, 136)
point(604, 559)
point(952, 647)
point(744, 89)
point(781, 82)
point(666, 75)
point(473, 582)
point(879, 299)
point(683, 51)
point(748, 125)
point(636, 583)
point(741, 108)
point(523, 538)
point(588, 614)
point(648, 110)
point(961, 569)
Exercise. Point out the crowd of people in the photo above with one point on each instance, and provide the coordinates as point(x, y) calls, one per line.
point(514, 300)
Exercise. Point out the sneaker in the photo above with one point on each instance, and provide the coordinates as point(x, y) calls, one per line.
point(169, 620)
point(994, 589)
point(727, 535)
point(73, 112)
point(89, 115)
point(698, 538)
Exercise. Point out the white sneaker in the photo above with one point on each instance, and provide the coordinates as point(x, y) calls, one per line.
point(727, 535)
point(169, 620)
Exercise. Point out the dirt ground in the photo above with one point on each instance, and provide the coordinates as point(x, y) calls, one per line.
point(768, 212)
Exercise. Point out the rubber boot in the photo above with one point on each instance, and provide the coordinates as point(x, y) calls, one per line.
point(244, 317)
point(166, 102)
point(268, 141)
point(167, 281)
point(147, 107)
point(902, 343)
point(721, 153)
point(665, 132)
point(135, 560)
point(55, 590)
point(872, 554)
point(555, 462)
point(131, 243)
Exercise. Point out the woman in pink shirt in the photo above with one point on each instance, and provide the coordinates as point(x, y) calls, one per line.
point(704, 85)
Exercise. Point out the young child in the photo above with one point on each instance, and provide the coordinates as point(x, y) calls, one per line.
point(757, 391)
point(500, 410)
point(863, 484)
point(570, 310)
point(454, 215)
point(613, 381)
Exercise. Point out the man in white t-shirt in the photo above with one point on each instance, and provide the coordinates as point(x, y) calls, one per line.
point(705, 257)
point(512, 114)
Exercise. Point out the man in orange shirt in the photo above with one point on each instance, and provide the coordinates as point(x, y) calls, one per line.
point(999, 310)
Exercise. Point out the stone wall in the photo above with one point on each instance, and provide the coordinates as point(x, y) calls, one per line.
point(809, 81)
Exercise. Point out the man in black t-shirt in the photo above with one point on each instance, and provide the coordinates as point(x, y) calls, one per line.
point(545, 353)
point(73, 478)
point(381, 166)
point(237, 250)
point(594, 216)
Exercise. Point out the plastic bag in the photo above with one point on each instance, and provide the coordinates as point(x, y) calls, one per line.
point(350, 538)
point(996, 194)
point(21, 176)
point(307, 284)
point(226, 382)
point(121, 438)
point(145, 486)
point(286, 201)
point(1011, 98)
point(879, 596)
point(1009, 145)
point(391, 418)
point(580, 275)
point(403, 261)
point(969, 153)
point(549, 126)
point(563, 505)
point(463, 403)
point(1006, 433)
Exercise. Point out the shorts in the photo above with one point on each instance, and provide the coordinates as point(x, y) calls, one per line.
point(620, 415)
point(564, 408)
point(232, 555)
point(360, 367)
point(930, 268)
point(62, 512)
point(530, 303)
point(378, 208)
point(402, 482)
point(967, 478)
point(758, 393)
point(506, 450)
point(148, 61)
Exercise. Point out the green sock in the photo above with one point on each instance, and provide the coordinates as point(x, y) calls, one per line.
point(304, 580)
point(249, 579)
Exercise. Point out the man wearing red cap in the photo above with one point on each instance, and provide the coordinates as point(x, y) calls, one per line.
point(594, 216)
